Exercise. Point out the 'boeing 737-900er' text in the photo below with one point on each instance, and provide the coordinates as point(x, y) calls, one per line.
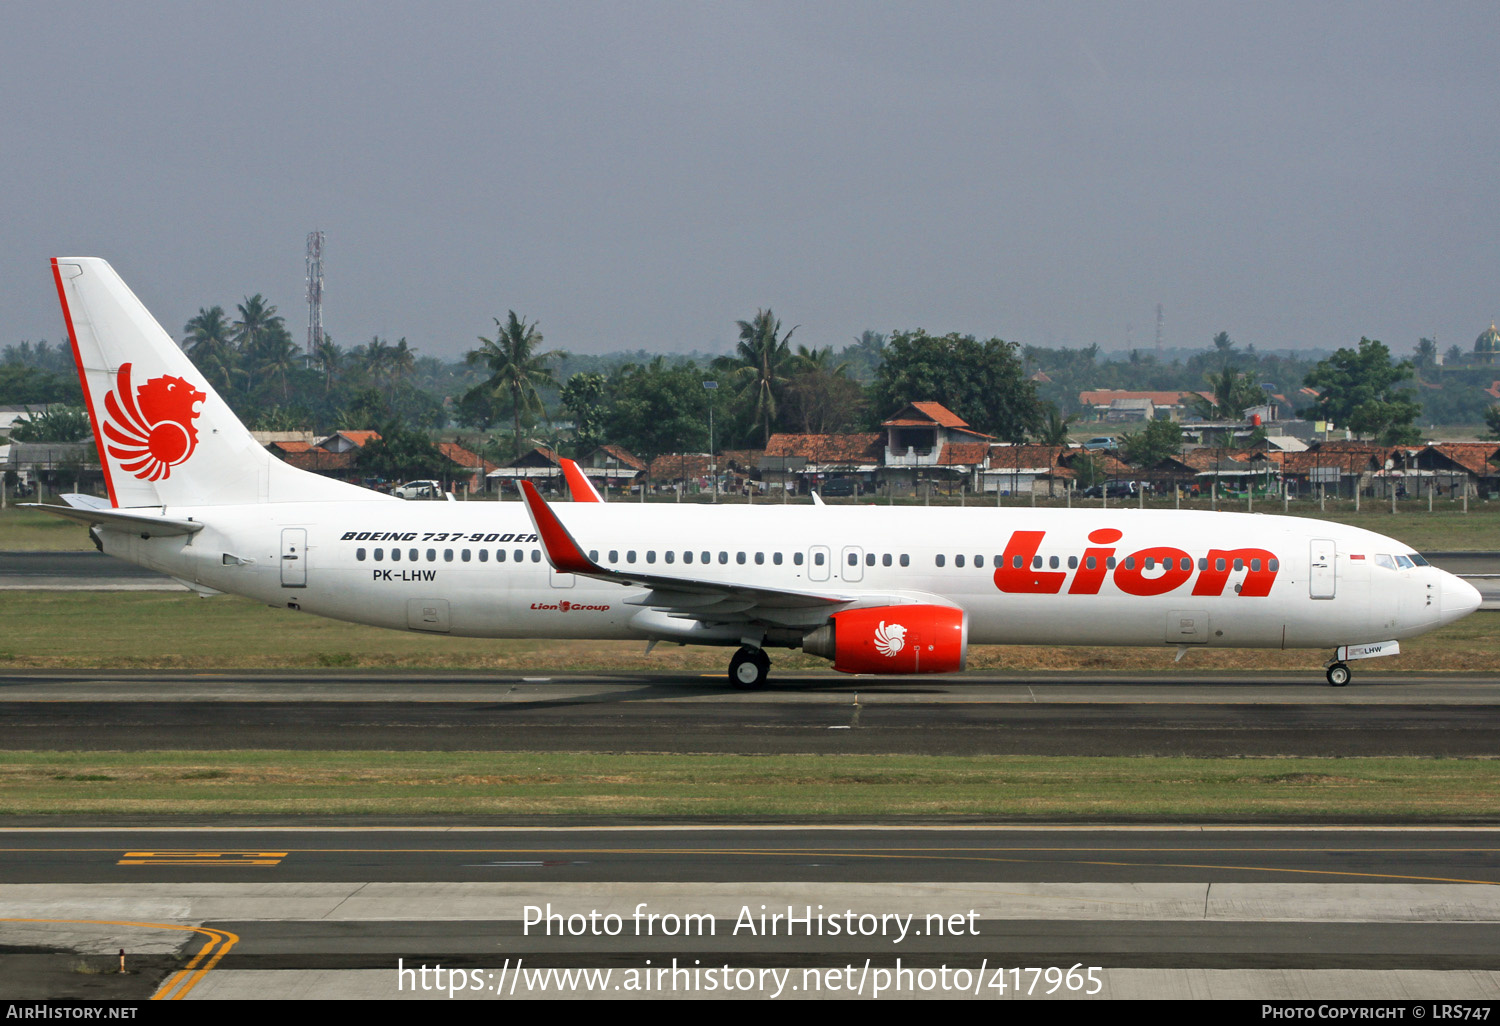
point(874, 589)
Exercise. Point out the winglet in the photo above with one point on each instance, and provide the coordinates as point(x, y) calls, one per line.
point(579, 486)
point(562, 551)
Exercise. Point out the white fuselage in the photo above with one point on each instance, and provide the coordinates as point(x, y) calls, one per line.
point(1023, 576)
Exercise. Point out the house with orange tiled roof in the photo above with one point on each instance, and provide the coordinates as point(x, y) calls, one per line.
point(1027, 469)
point(927, 442)
point(471, 470)
point(799, 463)
point(1447, 469)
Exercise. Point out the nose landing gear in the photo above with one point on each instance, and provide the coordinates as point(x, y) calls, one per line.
point(1338, 675)
point(749, 668)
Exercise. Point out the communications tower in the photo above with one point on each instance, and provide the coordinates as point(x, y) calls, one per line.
point(314, 292)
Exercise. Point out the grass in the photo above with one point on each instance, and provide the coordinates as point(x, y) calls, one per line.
point(676, 786)
point(171, 630)
point(27, 530)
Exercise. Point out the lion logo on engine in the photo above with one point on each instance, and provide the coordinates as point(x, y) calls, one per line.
point(890, 640)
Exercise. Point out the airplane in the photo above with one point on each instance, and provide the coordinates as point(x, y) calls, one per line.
point(876, 590)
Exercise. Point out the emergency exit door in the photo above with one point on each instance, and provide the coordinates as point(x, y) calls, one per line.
point(294, 557)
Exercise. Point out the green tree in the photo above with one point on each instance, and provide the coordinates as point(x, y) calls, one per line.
point(1427, 354)
point(759, 367)
point(1360, 390)
point(1233, 392)
point(400, 454)
point(209, 339)
point(515, 367)
point(54, 424)
point(1157, 441)
point(982, 382)
point(583, 397)
point(1492, 418)
point(1053, 429)
point(655, 408)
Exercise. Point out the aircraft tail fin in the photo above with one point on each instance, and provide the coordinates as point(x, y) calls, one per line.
point(165, 437)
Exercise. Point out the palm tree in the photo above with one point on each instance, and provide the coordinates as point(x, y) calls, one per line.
point(328, 357)
point(1054, 429)
point(1233, 393)
point(760, 363)
point(207, 338)
point(257, 319)
point(515, 367)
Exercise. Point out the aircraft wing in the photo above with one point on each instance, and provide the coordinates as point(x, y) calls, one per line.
point(86, 509)
point(693, 598)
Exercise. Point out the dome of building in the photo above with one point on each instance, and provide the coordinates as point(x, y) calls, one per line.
point(1488, 342)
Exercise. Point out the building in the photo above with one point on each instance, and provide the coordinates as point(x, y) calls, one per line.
point(929, 445)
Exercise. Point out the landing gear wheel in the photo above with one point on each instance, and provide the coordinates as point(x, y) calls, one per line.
point(749, 668)
point(1338, 675)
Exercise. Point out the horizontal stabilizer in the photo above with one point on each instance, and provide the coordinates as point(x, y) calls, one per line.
point(145, 523)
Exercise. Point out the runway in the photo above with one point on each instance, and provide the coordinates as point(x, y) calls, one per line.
point(314, 912)
point(970, 715)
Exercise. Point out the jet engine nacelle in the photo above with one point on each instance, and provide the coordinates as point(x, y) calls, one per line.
point(893, 639)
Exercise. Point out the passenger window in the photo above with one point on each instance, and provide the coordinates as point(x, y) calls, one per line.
point(687, 557)
point(630, 555)
point(519, 555)
point(1239, 564)
point(739, 557)
point(1016, 562)
point(885, 560)
point(1092, 562)
point(669, 556)
point(854, 559)
point(958, 561)
point(1072, 562)
point(703, 557)
point(380, 555)
point(1274, 565)
point(1220, 565)
point(940, 558)
point(776, 558)
point(760, 559)
point(499, 555)
point(1150, 563)
point(869, 559)
point(1185, 563)
point(797, 558)
point(465, 555)
point(395, 555)
point(651, 555)
point(723, 557)
point(614, 555)
point(905, 559)
point(359, 554)
point(432, 555)
point(1036, 562)
point(484, 556)
point(1052, 562)
point(1255, 566)
point(447, 555)
point(411, 554)
point(1109, 564)
point(1202, 562)
point(979, 561)
point(593, 555)
point(1129, 562)
point(536, 555)
point(818, 558)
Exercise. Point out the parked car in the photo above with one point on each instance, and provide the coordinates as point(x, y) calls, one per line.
point(419, 490)
point(1103, 443)
point(1114, 489)
point(840, 486)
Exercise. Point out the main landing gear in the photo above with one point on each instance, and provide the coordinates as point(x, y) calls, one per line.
point(1338, 674)
point(749, 668)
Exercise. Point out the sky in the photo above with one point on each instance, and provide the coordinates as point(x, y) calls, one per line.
point(644, 175)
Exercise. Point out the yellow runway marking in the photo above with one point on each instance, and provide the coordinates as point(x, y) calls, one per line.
point(185, 979)
point(202, 858)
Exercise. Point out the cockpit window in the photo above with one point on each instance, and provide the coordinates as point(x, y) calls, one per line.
point(1381, 559)
point(1417, 559)
point(1404, 563)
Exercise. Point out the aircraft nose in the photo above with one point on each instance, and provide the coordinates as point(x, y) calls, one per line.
point(1460, 598)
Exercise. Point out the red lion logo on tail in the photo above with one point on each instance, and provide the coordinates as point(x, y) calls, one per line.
point(151, 430)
